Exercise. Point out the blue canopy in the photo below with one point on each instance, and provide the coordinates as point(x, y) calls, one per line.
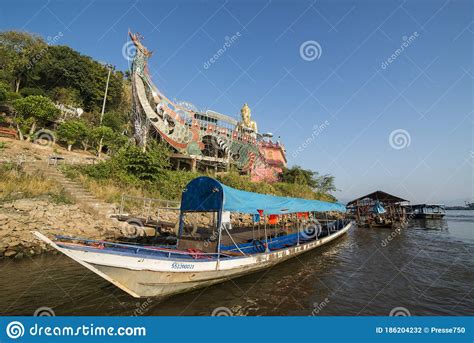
point(205, 194)
point(378, 208)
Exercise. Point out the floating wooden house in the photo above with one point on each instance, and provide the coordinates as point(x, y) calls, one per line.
point(426, 211)
point(379, 209)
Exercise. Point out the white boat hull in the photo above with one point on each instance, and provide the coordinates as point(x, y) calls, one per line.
point(161, 277)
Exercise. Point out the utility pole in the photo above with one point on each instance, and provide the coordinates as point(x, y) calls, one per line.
point(109, 67)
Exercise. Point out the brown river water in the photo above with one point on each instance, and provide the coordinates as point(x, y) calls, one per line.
point(426, 269)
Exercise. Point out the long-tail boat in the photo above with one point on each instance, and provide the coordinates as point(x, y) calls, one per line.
point(223, 233)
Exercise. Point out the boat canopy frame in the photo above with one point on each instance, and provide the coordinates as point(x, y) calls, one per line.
point(205, 194)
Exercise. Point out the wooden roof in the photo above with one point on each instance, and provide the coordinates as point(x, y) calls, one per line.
point(380, 196)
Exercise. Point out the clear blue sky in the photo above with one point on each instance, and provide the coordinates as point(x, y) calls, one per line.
point(426, 90)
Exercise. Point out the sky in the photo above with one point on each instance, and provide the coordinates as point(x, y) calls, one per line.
point(377, 93)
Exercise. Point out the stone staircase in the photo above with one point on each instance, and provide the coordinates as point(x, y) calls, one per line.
point(85, 199)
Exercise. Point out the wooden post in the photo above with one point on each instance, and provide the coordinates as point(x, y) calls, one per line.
point(219, 224)
point(297, 230)
point(121, 206)
point(265, 232)
point(181, 227)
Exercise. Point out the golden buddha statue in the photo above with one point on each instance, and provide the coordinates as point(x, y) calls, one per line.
point(246, 121)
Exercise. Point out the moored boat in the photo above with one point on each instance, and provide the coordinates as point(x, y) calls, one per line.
point(426, 211)
point(223, 233)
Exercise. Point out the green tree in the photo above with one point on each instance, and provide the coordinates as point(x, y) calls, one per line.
point(67, 96)
point(69, 77)
point(71, 132)
point(19, 51)
point(116, 143)
point(63, 67)
point(87, 139)
point(27, 91)
point(301, 176)
point(117, 121)
point(321, 183)
point(102, 135)
point(326, 184)
point(33, 111)
point(3, 91)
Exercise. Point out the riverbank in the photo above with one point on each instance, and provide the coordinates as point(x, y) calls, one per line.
point(19, 217)
point(78, 197)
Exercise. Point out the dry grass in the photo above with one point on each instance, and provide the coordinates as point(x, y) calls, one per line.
point(109, 191)
point(15, 184)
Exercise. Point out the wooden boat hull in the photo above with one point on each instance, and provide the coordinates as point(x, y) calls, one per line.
point(153, 277)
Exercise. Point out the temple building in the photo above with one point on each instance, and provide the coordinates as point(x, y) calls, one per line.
point(206, 141)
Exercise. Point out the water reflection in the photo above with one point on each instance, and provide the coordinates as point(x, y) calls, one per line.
point(429, 224)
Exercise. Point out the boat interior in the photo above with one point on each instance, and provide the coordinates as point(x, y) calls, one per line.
point(201, 244)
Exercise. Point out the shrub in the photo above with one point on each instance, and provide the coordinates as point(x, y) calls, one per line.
point(4, 89)
point(27, 91)
point(144, 165)
point(12, 96)
point(133, 171)
point(172, 182)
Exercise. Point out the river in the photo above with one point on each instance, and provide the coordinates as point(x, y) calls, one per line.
point(425, 269)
